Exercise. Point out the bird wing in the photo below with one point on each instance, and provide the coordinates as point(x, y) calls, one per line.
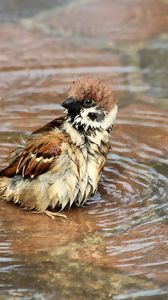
point(56, 123)
point(36, 157)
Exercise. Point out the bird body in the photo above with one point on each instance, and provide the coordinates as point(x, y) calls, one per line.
point(61, 163)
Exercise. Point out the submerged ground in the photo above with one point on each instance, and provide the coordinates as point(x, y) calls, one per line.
point(117, 246)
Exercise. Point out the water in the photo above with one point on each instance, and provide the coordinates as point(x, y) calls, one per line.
point(116, 247)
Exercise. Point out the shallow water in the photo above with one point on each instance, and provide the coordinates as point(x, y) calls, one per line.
point(116, 247)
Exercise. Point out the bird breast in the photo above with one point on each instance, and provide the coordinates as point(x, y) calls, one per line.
point(75, 176)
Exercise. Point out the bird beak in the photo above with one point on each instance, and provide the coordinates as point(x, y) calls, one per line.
point(69, 103)
point(72, 105)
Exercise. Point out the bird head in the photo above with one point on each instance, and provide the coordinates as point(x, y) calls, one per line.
point(90, 105)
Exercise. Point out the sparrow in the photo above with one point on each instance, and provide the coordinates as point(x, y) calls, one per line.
point(61, 163)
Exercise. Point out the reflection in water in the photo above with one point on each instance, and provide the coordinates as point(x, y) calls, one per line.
point(118, 242)
point(123, 226)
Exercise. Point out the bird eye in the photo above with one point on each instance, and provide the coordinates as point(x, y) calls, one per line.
point(87, 102)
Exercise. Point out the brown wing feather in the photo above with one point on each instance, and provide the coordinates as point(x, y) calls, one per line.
point(56, 123)
point(37, 157)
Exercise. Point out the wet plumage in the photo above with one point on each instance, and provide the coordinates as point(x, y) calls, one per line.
point(62, 162)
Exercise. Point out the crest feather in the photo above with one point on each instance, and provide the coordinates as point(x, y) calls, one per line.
point(95, 89)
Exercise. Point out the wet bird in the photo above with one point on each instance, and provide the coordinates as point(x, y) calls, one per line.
point(61, 163)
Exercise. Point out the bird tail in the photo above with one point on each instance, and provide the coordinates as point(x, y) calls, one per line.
point(5, 192)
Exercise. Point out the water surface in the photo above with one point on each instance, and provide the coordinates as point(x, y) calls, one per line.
point(116, 247)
